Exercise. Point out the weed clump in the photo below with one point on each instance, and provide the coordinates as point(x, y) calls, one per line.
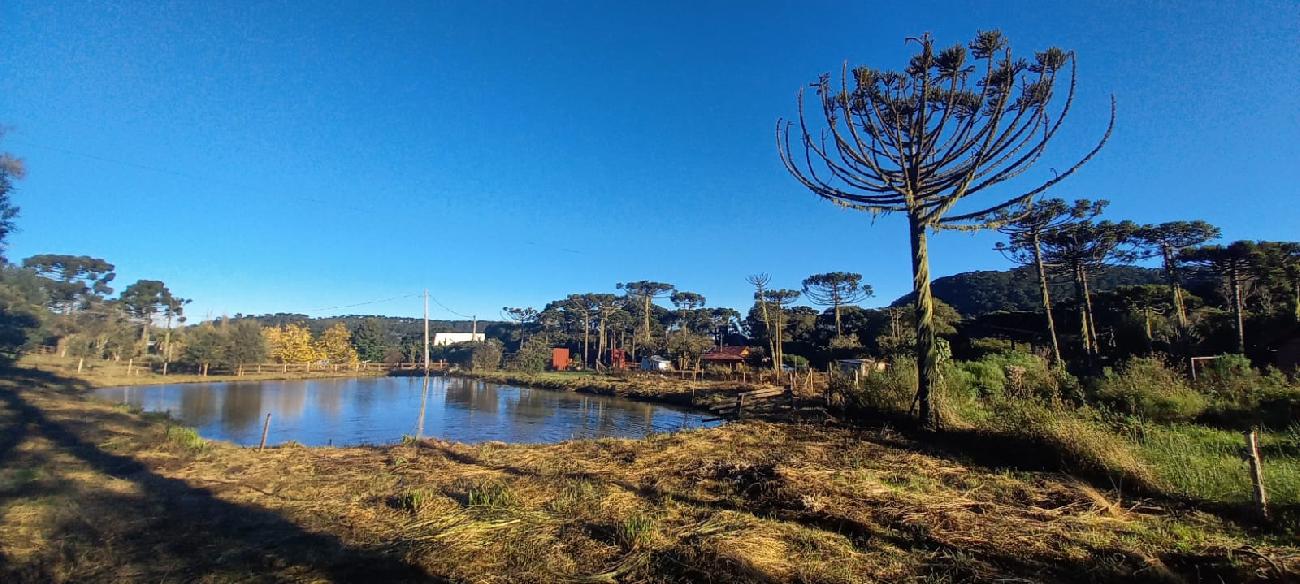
point(636, 530)
point(491, 496)
point(187, 439)
point(413, 500)
point(1147, 388)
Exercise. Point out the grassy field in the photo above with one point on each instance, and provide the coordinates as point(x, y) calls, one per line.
point(1205, 464)
point(92, 492)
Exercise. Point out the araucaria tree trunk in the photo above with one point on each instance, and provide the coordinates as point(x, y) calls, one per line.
point(1045, 289)
point(1080, 294)
point(927, 354)
point(1175, 286)
point(1238, 309)
point(951, 124)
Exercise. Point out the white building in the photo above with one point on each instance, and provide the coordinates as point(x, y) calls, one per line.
point(656, 363)
point(440, 339)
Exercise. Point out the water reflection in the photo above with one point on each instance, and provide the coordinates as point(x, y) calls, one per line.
point(379, 410)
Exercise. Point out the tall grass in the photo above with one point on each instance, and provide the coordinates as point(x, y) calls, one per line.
point(1147, 441)
point(1206, 464)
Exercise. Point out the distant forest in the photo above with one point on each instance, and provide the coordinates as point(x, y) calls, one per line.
point(983, 292)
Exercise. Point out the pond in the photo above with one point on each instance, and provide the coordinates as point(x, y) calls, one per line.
point(379, 410)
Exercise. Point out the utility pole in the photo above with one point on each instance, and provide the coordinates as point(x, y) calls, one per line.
point(473, 333)
point(426, 331)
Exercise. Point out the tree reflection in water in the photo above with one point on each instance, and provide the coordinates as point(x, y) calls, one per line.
point(380, 410)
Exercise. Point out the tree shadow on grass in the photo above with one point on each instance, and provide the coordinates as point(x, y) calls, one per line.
point(942, 561)
point(159, 528)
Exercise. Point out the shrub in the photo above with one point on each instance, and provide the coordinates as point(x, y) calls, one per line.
point(799, 362)
point(1146, 387)
point(888, 390)
point(1011, 374)
point(984, 378)
point(486, 356)
point(1232, 379)
point(531, 357)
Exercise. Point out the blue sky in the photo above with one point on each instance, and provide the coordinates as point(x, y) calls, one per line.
point(266, 156)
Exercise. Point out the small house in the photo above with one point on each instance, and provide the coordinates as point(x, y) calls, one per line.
point(442, 339)
point(560, 358)
point(618, 359)
point(656, 363)
point(859, 367)
point(727, 357)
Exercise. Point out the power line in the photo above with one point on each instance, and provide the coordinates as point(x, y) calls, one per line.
point(444, 307)
point(368, 302)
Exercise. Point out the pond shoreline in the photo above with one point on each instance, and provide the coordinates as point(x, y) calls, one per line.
point(97, 378)
point(652, 389)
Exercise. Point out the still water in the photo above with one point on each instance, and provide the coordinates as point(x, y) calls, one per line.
point(377, 410)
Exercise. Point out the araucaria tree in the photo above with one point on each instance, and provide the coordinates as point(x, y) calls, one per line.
point(1235, 265)
point(641, 294)
point(778, 302)
point(1024, 229)
point(836, 289)
point(1167, 240)
point(952, 124)
point(1079, 250)
point(143, 300)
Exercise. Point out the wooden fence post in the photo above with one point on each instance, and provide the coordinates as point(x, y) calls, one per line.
point(265, 426)
point(1256, 472)
point(130, 364)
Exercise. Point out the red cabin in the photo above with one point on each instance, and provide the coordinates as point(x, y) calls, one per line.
point(560, 359)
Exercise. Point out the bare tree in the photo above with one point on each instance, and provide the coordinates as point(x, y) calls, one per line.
point(950, 125)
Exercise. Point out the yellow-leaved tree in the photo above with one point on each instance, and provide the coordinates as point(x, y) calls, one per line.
point(291, 343)
point(335, 345)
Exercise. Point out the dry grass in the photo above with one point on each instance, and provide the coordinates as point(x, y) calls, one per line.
point(90, 492)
